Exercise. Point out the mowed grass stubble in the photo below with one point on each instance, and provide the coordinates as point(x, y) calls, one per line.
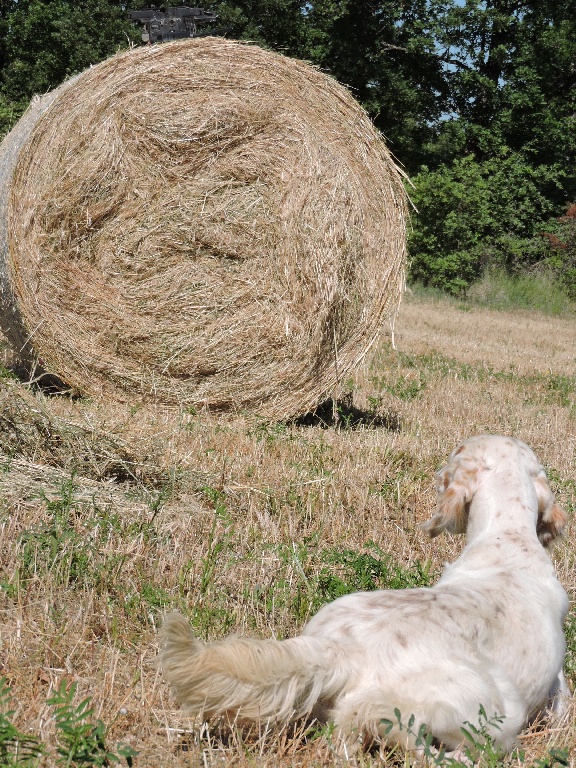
point(249, 526)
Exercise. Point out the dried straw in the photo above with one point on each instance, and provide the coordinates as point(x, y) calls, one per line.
point(202, 222)
point(30, 430)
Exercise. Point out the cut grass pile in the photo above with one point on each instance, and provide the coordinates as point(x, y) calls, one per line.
point(248, 526)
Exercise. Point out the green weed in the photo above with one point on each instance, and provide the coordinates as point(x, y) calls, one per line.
point(561, 389)
point(216, 544)
point(347, 571)
point(200, 578)
point(302, 587)
point(16, 748)
point(55, 549)
point(208, 614)
point(9, 589)
point(82, 742)
point(62, 546)
point(147, 599)
point(402, 386)
point(268, 431)
point(570, 633)
point(547, 388)
point(478, 749)
point(555, 757)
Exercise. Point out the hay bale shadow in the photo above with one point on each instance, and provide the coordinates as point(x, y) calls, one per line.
point(343, 414)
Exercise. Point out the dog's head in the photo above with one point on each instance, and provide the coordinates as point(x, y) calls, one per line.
point(458, 481)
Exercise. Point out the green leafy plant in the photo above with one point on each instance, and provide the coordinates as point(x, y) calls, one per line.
point(56, 545)
point(475, 214)
point(82, 742)
point(479, 747)
point(561, 246)
point(404, 386)
point(216, 544)
point(208, 614)
point(570, 632)
point(479, 741)
point(305, 587)
point(16, 748)
point(555, 757)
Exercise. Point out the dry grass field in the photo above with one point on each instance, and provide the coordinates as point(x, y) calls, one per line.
point(111, 515)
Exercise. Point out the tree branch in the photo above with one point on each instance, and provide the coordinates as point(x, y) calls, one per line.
point(440, 56)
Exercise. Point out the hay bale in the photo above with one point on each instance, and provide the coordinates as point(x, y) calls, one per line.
point(200, 222)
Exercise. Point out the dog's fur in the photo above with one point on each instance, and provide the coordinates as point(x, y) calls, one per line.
point(488, 634)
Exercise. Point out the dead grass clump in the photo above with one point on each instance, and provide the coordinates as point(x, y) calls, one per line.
point(31, 431)
point(202, 222)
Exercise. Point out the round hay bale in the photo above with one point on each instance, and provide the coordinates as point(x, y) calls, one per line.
point(201, 222)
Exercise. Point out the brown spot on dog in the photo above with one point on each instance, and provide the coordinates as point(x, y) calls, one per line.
point(444, 480)
point(551, 524)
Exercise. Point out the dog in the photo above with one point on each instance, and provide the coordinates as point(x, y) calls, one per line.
point(486, 640)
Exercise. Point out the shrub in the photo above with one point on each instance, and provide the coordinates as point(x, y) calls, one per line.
point(476, 215)
point(561, 249)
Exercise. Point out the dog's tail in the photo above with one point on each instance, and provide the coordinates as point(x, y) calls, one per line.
point(255, 679)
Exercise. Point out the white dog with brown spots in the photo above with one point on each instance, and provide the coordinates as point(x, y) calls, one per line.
point(488, 634)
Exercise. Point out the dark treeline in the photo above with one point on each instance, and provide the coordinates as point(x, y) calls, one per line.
point(477, 100)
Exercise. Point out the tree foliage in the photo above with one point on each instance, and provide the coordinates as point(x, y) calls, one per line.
point(476, 98)
point(43, 42)
point(475, 215)
point(561, 249)
point(511, 130)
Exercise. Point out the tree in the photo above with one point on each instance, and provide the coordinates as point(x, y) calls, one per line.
point(42, 43)
point(46, 42)
point(504, 154)
point(514, 77)
point(282, 25)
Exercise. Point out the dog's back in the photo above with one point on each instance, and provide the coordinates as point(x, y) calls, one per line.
point(487, 635)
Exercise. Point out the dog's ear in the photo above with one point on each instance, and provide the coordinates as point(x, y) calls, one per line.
point(456, 485)
point(551, 517)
